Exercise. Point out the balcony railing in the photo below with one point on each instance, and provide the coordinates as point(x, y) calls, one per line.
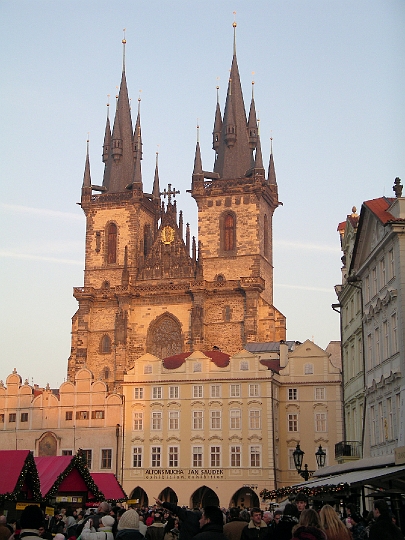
point(348, 449)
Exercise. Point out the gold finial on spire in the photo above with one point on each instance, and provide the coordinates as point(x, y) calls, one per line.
point(253, 84)
point(108, 105)
point(271, 141)
point(130, 103)
point(198, 131)
point(123, 51)
point(234, 32)
point(116, 95)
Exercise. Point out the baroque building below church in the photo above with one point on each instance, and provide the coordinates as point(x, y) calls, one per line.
point(149, 287)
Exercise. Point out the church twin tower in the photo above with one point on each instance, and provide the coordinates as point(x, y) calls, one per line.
point(149, 287)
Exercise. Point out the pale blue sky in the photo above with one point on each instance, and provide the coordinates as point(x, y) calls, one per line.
point(329, 87)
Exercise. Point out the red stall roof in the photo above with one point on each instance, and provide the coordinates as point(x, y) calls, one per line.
point(109, 485)
point(18, 473)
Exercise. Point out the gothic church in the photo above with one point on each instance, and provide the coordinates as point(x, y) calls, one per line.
point(149, 287)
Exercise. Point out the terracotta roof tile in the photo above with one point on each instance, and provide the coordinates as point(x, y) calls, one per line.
point(379, 208)
point(219, 358)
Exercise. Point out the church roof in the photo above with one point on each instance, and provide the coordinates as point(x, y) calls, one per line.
point(219, 358)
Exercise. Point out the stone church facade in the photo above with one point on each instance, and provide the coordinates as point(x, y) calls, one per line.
point(149, 287)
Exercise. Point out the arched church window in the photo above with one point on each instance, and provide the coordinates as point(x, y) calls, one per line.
point(112, 243)
point(105, 344)
point(229, 232)
point(164, 337)
point(106, 373)
point(266, 236)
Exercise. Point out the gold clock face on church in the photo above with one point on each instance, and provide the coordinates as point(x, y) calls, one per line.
point(167, 234)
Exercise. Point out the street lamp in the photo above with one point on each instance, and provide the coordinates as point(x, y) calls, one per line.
point(298, 456)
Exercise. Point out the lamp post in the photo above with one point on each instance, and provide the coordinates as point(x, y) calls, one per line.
point(298, 456)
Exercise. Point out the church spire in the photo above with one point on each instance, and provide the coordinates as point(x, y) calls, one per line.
point(156, 187)
point(233, 154)
point(119, 170)
point(107, 135)
point(272, 170)
point(252, 122)
point(138, 133)
point(86, 176)
point(197, 158)
point(216, 133)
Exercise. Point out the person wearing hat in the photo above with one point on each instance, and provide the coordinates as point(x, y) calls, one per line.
point(31, 520)
point(128, 526)
point(104, 531)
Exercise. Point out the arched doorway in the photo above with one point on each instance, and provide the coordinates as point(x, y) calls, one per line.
point(139, 494)
point(168, 495)
point(245, 497)
point(204, 496)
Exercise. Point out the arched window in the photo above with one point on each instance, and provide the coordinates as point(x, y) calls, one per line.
point(112, 243)
point(229, 232)
point(266, 236)
point(106, 373)
point(105, 344)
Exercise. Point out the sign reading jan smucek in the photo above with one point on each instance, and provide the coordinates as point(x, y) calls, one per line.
point(183, 474)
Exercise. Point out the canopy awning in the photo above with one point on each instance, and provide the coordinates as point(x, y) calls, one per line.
point(109, 485)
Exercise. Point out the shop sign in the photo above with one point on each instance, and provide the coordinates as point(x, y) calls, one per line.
point(184, 474)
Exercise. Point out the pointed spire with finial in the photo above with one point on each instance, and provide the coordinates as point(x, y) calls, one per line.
point(138, 133)
point(156, 186)
point(252, 122)
point(119, 170)
point(86, 176)
point(272, 170)
point(216, 133)
point(107, 134)
point(197, 157)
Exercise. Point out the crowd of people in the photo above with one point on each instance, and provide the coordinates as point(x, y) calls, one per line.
point(167, 521)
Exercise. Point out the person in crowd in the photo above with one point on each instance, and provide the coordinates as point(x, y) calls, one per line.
point(142, 525)
point(156, 531)
point(5, 531)
point(150, 518)
point(233, 529)
point(70, 524)
point(56, 525)
point(383, 528)
point(308, 527)
point(301, 501)
point(128, 526)
point(267, 517)
point(334, 528)
point(211, 524)
point(189, 519)
point(357, 527)
point(256, 528)
point(31, 520)
point(43, 533)
point(171, 532)
point(102, 532)
point(283, 522)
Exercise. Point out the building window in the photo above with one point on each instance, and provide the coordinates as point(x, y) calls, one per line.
point(229, 232)
point(383, 277)
point(309, 369)
point(215, 419)
point(98, 415)
point(87, 454)
point(105, 344)
point(2, 418)
point(381, 423)
point(156, 392)
point(374, 281)
point(391, 262)
point(215, 456)
point(82, 415)
point(24, 417)
point(173, 456)
point(234, 390)
point(320, 422)
point(367, 288)
point(174, 392)
point(67, 452)
point(174, 417)
point(156, 420)
point(138, 393)
point(385, 337)
point(197, 367)
point(138, 421)
point(255, 456)
point(235, 418)
point(320, 393)
point(254, 390)
point(112, 243)
point(197, 456)
point(156, 458)
point(254, 419)
point(394, 334)
point(389, 420)
point(244, 365)
point(197, 391)
point(12, 417)
point(292, 394)
point(235, 456)
point(137, 456)
point(69, 415)
point(215, 390)
point(373, 426)
point(106, 458)
point(292, 422)
point(147, 370)
point(197, 419)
